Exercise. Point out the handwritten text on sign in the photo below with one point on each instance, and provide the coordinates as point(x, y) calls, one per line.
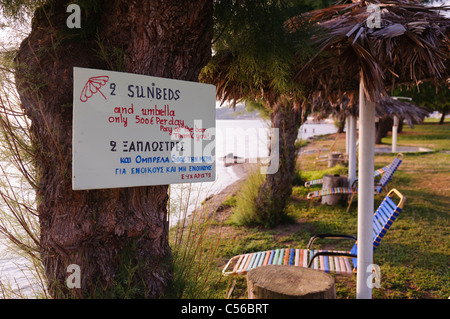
point(134, 130)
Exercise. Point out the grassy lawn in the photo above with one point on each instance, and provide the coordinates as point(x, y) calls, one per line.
point(430, 135)
point(414, 257)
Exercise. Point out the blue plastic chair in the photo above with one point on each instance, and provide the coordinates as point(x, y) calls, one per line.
point(386, 173)
point(329, 261)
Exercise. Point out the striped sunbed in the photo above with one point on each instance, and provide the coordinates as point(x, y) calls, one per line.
point(387, 176)
point(319, 181)
point(242, 264)
point(324, 157)
point(387, 172)
point(332, 191)
point(343, 262)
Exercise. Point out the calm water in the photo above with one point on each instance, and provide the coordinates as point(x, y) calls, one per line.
point(243, 138)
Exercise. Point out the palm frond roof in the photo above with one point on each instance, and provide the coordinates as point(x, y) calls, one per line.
point(410, 44)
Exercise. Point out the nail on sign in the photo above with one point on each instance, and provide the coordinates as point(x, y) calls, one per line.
point(135, 130)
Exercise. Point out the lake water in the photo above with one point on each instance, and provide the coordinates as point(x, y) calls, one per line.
point(244, 138)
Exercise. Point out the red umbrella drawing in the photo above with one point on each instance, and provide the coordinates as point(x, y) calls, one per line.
point(93, 86)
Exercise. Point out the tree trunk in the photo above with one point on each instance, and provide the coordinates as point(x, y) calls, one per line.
point(400, 126)
point(118, 237)
point(277, 188)
point(444, 113)
point(333, 181)
point(382, 128)
point(340, 125)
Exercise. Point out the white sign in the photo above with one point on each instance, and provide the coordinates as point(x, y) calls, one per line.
point(135, 130)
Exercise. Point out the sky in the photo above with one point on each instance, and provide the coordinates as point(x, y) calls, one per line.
point(448, 4)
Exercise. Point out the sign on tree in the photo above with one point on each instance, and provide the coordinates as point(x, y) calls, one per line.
point(135, 130)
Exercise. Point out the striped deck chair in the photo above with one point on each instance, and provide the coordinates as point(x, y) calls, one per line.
point(386, 176)
point(319, 181)
point(352, 191)
point(324, 157)
point(343, 262)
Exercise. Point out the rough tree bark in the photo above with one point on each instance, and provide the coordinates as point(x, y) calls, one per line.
point(118, 237)
point(277, 188)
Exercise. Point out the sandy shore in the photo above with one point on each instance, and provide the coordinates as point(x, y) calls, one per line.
point(241, 171)
point(212, 204)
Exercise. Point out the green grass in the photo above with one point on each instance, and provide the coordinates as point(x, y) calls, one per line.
point(414, 257)
point(429, 135)
point(245, 211)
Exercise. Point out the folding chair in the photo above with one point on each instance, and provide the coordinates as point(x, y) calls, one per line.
point(343, 262)
point(324, 157)
point(319, 181)
point(386, 176)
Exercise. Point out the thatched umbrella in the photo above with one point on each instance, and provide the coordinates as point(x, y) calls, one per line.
point(409, 45)
point(387, 108)
point(348, 108)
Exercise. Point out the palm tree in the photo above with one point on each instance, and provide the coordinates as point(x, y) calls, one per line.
point(254, 60)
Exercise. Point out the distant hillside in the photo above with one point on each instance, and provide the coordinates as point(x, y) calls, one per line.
point(226, 113)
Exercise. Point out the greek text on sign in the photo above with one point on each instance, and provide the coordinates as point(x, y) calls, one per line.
point(135, 130)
